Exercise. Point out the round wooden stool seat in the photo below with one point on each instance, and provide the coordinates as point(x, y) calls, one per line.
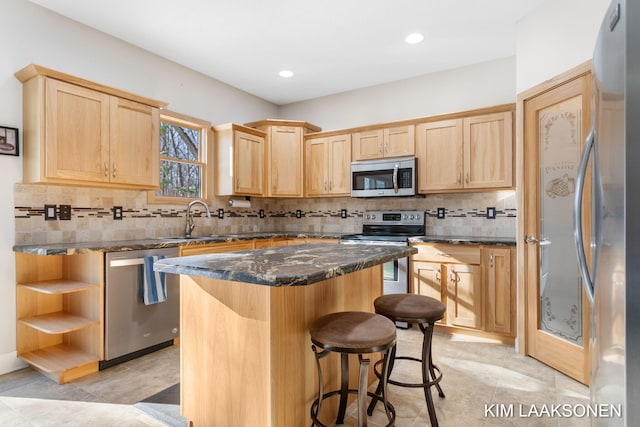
point(353, 332)
point(424, 311)
point(410, 308)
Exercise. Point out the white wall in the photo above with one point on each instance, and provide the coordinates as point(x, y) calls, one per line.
point(556, 37)
point(466, 88)
point(31, 34)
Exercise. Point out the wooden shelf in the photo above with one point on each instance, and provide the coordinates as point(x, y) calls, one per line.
point(58, 323)
point(54, 287)
point(62, 363)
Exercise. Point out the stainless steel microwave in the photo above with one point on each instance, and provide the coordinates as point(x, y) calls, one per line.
point(385, 177)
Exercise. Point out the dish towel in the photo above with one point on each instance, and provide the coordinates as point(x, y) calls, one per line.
point(154, 288)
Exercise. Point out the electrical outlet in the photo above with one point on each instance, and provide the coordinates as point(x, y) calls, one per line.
point(298, 214)
point(65, 212)
point(343, 213)
point(50, 213)
point(220, 213)
point(441, 213)
point(491, 213)
point(117, 212)
point(261, 213)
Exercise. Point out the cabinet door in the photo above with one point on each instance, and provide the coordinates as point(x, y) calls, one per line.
point(77, 133)
point(339, 164)
point(134, 143)
point(285, 161)
point(464, 295)
point(248, 162)
point(427, 279)
point(317, 161)
point(440, 155)
point(368, 145)
point(499, 295)
point(488, 158)
point(399, 141)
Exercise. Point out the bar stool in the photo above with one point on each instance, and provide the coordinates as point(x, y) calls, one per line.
point(353, 332)
point(424, 311)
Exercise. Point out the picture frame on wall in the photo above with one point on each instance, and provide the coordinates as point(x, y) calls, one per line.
point(9, 141)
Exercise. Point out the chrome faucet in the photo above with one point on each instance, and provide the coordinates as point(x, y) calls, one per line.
point(190, 225)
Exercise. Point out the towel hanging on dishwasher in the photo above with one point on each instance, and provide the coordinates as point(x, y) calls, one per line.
point(154, 288)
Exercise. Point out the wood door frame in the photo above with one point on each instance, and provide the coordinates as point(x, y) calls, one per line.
point(524, 203)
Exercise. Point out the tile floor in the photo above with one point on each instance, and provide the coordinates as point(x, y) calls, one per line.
point(477, 374)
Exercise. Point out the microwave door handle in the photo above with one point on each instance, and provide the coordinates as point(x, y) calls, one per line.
point(395, 178)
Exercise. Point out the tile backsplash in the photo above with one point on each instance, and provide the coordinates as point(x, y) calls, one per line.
point(92, 215)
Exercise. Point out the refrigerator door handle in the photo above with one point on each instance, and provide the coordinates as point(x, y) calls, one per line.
point(587, 281)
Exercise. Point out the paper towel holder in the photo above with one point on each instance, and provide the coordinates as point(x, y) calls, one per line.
point(240, 203)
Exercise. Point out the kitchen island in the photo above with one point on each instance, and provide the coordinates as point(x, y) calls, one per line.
point(246, 356)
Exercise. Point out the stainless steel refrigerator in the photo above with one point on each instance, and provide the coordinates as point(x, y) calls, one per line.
point(611, 264)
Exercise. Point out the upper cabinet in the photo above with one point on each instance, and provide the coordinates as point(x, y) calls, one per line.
point(84, 133)
point(466, 153)
point(328, 165)
point(284, 160)
point(239, 154)
point(396, 141)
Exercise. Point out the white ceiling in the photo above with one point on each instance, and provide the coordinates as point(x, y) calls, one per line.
point(331, 45)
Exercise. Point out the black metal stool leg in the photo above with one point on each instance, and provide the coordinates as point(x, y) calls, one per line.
point(426, 368)
point(362, 391)
point(344, 387)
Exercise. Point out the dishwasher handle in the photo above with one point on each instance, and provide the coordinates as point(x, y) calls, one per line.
point(126, 262)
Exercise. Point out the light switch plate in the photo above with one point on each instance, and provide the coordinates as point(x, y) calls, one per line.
point(261, 213)
point(298, 214)
point(50, 213)
point(441, 213)
point(220, 213)
point(65, 212)
point(343, 213)
point(117, 212)
point(491, 213)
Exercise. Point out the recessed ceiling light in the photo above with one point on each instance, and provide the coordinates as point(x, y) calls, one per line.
point(414, 38)
point(286, 73)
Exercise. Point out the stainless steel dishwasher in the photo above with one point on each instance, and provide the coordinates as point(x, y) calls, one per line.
point(131, 327)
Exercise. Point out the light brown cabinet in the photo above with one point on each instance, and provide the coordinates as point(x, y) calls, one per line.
point(59, 310)
point(239, 157)
point(396, 141)
point(284, 155)
point(328, 163)
point(466, 153)
point(476, 283)
point(83, 133)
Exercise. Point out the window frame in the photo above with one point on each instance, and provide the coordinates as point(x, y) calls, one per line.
point(204, 160)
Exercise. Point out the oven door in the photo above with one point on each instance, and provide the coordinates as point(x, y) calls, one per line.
point(395, 273)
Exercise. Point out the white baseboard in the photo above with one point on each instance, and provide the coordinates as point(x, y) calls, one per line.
point(10, 362)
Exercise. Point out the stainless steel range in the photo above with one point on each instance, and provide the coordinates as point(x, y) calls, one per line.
point(390, 228)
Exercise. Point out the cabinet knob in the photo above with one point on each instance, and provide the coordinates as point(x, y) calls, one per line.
point(467, 178)
point(115, 168)
point(106, 169)
point(491, 260)
point(460, 177)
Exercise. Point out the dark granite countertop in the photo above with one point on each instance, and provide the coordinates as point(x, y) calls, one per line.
point(294, 265)
point(465, 240)
point(162, 242)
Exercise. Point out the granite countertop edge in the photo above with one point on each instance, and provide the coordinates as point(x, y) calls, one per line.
point(169, 242)
point(295, 265)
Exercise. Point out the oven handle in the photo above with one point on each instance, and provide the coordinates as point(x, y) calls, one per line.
point(395, 178)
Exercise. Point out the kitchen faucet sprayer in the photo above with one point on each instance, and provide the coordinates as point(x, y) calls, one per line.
point(189, 226)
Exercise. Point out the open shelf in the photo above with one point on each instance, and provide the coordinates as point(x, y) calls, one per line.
point(62, 363)
point(58, 323)
point(58, 286)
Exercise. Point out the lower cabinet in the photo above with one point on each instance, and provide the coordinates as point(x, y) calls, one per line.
point(476, 283)
point(59, 309)
point(244, 245)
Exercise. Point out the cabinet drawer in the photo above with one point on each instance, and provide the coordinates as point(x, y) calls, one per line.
point(447, 253)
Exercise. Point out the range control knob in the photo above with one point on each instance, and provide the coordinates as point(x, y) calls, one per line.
point(412, 216)
point(373, 216)
point(405, 216)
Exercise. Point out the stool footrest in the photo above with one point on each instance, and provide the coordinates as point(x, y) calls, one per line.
point(314, 406)
point(414, 385)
